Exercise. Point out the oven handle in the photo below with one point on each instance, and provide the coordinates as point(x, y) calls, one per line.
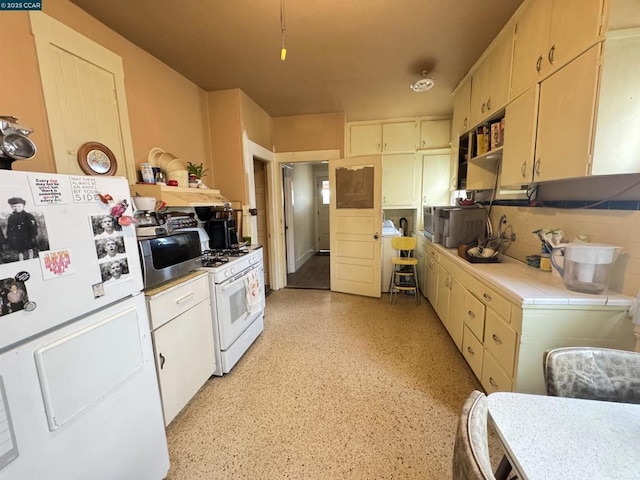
point(227, 284)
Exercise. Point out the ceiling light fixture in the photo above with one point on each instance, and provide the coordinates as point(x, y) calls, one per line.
point(423, 84)
point(283, 51)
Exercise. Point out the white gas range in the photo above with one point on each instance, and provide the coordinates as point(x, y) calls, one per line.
point(236, 280)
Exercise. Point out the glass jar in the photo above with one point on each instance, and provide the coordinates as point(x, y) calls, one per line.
point(161, 178)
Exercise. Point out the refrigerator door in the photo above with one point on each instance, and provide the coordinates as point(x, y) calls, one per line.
point(63, 253)
point(82, 401)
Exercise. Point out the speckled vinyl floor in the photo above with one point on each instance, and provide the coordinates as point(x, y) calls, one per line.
point(336, 387)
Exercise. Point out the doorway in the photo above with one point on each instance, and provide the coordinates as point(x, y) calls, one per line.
point(306, 215)
point(260, 186)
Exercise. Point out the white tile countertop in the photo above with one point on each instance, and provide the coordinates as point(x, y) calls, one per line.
point(531, 286)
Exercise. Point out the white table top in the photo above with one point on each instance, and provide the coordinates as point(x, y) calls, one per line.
point(554, 437)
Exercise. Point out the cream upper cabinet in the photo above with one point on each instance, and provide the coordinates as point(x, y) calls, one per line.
point(435, 134)
point(565, 119)
point(617, 142)
point(460, 120)
point(549, 35)
point(365, 139)
point(436, 177)
point(519, 141)
point(372, 138)
point(401, 180)
point(490, 82)
point(399, 137)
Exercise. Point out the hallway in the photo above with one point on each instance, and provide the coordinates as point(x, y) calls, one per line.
point(315, 274)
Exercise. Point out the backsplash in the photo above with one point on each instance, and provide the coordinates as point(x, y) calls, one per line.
point(612, 227)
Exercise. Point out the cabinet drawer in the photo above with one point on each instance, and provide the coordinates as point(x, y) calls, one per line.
point(172, 302)
point(432, 253)
point(474, 315)
point(494, 379)
point(491, 298)
point(500, 340)
point(472, 351)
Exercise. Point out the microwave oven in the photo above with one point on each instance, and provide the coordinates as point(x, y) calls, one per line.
point(455, 226)
point(166, 257)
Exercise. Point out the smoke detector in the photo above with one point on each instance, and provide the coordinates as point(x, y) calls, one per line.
point(423, 84)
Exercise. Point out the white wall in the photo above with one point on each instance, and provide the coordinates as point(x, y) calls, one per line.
point(303, 212)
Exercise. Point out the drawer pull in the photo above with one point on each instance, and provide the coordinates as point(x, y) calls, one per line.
point(551, 54)
point(493, 383)
point(471, 314)
point(539, 64)
point(470, 350)
point(184, 298)
point(487, 297)
point(496, 339)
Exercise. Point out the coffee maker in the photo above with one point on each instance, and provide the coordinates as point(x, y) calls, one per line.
point(14, 144)
point(220, 225)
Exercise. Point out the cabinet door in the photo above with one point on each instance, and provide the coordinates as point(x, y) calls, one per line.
point(519, 139)
point(575, 26)
point(530, 46)
point(421, 254)
point(435, 134)
point(399, 137)
point(565, 119)
point(460, 121)
point(499, 75)
point(479, 93)
point(365, 139)
point(456, 313)
point(432, 280)
point(616, 143)
point(401, 180)
point(184, 357)
point(436, 179)
point(444, 291)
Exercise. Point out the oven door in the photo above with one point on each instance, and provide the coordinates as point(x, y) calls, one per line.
point(232, 310)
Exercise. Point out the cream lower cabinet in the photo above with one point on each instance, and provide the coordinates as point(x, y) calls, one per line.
point(431, 277)
point(503, 340)
point(182, 334)
point(421, 255)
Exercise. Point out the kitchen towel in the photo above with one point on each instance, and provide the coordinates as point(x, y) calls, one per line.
point(254, 291)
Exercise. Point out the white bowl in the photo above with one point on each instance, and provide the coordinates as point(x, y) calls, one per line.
point(144, 203)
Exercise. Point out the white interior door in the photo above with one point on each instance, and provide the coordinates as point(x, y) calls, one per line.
point(322, 226)
point(355, 224)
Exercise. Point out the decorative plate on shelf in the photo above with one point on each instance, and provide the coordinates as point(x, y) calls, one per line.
point(96, 159)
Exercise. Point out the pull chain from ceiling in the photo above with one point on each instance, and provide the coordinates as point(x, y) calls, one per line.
point(283, 51)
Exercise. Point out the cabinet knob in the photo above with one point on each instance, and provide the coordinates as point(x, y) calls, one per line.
point(487, 297)
point(162, 360)
point(496, 339)
point(471, 314)
point(488, 104)
point(539, 64)
point(378, 147)
point(523, 169)
point(482, 108)
point(470, 350)
point(384, 147)
point(464, 124)
point(493, 383)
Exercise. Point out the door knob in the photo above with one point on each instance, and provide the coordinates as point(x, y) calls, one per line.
point(376, 236)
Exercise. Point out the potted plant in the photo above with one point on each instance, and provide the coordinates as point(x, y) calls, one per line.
point(196, 172)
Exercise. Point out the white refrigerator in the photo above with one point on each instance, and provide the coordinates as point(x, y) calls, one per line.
point(79, 395)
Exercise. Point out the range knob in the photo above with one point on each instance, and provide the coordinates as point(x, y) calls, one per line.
point(233, 270)
point(227, 273)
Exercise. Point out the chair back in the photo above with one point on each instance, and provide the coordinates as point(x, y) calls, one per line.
point(405, 244)
point(593, 373)
point(471, 450)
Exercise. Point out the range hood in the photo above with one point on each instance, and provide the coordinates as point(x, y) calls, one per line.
point(180, 196)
